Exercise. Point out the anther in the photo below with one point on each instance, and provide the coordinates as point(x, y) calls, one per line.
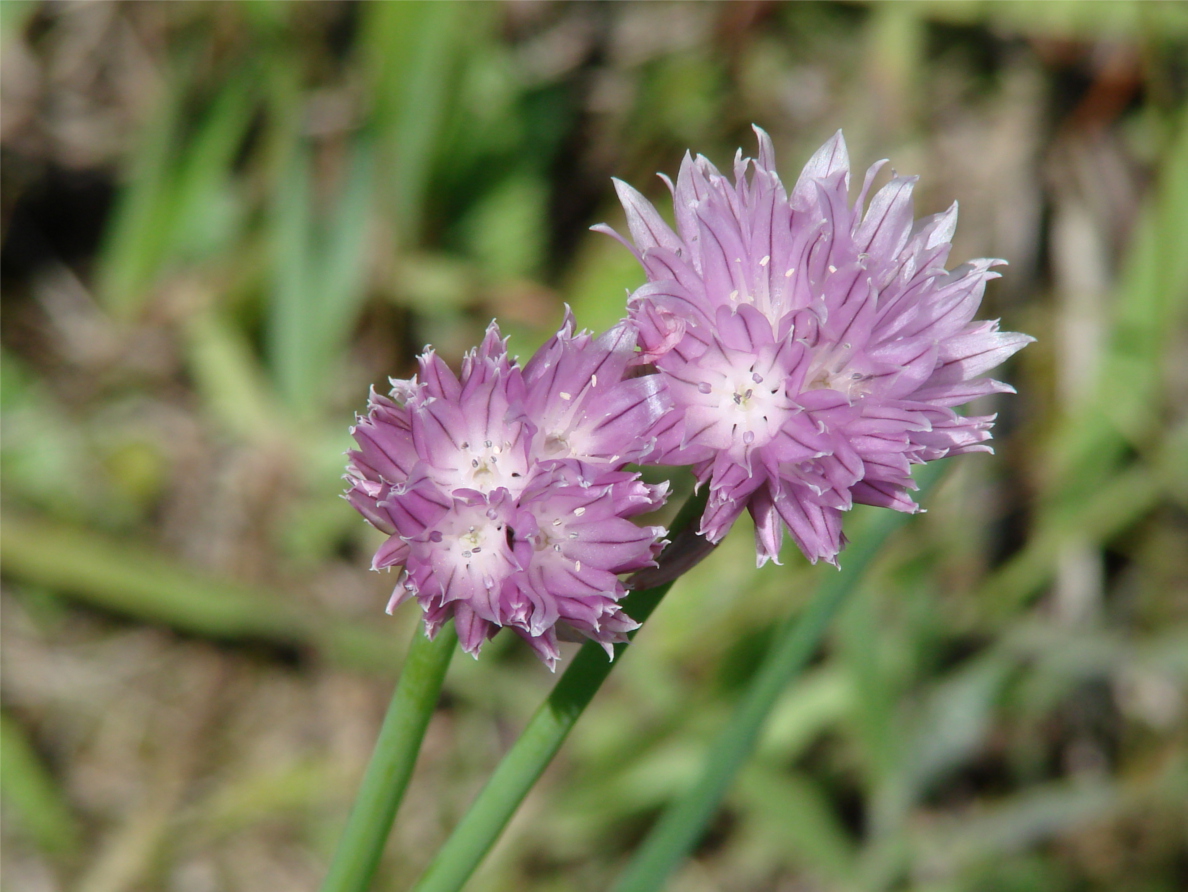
point(704, 387)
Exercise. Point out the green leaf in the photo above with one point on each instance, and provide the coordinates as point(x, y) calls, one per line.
point(135, 581)
point(29, 788)
point(179, 204)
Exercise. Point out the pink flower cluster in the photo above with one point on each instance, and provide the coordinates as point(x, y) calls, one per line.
point(503, 493)
point(800, 352)
point(813, 352)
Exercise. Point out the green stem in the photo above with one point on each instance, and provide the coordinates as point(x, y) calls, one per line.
point(546, 731)
point(684, 822)
point(392, 762)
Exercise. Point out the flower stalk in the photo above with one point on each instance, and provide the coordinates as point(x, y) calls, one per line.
point(482, 825)
point(685, 820)
point(392, 762)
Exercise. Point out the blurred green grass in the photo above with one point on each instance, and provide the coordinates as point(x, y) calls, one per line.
point(222, 222)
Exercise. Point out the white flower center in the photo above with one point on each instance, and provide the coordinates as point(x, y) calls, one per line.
point(554, 535)
point(485, 466)
point(471, 541)
point(737, 407)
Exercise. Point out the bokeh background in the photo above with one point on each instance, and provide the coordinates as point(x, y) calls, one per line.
point(223, 221)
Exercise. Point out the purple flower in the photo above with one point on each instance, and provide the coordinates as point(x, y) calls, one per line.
point(502, 490)
point(813, 352)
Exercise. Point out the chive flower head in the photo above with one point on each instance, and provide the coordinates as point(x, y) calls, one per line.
point(813, 349)
point(502, 489)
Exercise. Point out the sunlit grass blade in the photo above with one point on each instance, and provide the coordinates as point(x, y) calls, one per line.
point(318, 276)
point(228, 376)
point(135, 581)
point(1152, 297)
point(409, 50)
point(343, 279)
point(29, 790)
point(523, 764)
point(137, 234)
point(392, 762)
point(685, 821)
point(290, 317)
point(178, 204)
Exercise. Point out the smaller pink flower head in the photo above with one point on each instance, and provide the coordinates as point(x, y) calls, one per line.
point(502, 493)
point(813, 351)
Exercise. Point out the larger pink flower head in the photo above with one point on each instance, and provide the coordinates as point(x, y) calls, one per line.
point(502, 490)
point(813, 351)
